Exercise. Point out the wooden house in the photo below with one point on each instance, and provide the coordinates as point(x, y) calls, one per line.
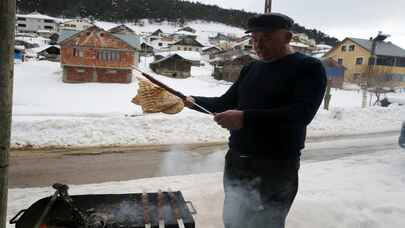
point(210, 51)
point(51, 53)
point(366, 58)
point(122, 29)
point(229, 69)
point(188, 29)
point(173, 66)
point(186, 44)
point(96, 55)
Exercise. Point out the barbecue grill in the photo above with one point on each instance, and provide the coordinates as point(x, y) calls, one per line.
point(162, 209)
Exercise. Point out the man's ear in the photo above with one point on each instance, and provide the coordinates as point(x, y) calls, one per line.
point(288, 36)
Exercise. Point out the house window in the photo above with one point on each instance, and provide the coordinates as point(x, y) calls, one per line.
point(77, 52)
point(22, 25)
point(49, 21)
point(351, 47)
point(340, 61)
point(160, 44)
point(400, 62)
point(356, 76)
point(343, 48)
point(185, 49)
point(108, 55)
point(80, 70)
point(178, 48)
point(385, 61)
point(48, 27)
point(111, 72)
point(359, 61)
point(21, 19)
point(190, 49)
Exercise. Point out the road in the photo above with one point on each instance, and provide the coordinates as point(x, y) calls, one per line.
point(36, 168)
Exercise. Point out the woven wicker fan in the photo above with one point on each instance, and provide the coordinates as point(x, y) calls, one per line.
point(154, 99)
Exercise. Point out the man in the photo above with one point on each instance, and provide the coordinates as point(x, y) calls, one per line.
point(266, 110)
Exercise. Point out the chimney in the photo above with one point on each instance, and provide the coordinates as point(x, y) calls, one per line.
point(267, 6)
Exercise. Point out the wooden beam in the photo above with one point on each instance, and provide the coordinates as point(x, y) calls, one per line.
point(7, 25)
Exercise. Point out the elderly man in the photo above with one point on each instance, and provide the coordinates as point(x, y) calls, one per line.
point(266, 111)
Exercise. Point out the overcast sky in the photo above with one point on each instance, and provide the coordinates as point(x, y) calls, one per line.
point(343, 18)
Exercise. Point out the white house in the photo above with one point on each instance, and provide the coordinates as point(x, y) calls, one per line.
point(31, 23)
point(76, 24)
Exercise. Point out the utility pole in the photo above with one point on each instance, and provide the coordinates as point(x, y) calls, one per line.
point(267, 6)
point(370, 68)
point(7, 25)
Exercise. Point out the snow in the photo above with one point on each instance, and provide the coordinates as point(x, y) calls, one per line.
point(356, 191)
point(48, 112)
point(189, 55)
point(297, 44)
point(38, 16)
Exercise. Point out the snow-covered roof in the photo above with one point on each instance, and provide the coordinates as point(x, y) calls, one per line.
point(170, 56)
point(297, 44)
point(182, 32)
point(189, 55)
point(19, 47)
point(323, 46)
point(38, 16)
point(39, 49)
point(131, 39)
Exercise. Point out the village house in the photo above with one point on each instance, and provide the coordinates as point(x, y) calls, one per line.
point(156, 35)
point(228, 66)
point(188, 29)
point(173, 65)
point(76, 24)
point(210, 51)
point(192, 56)
point(35, 22)
point(96, 55)
point(216, 40)
point(301, 47)
point(183, 34)
point(303, 38)
point(50, 53)
point(146, 49)
point(186, 44)
point(122, 29)
point(370, 58)
point(321, 50)
point(244, 44)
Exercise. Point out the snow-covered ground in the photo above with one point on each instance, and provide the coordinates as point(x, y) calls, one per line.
point(48, 112)
point(364, 191)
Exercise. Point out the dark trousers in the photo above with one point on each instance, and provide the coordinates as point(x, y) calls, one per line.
point(258, 192)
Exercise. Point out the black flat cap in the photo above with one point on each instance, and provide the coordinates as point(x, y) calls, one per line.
point(269, 22)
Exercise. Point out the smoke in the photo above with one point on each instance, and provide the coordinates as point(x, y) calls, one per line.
point(184, 160)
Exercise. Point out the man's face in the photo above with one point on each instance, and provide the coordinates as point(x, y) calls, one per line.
point(269, 44)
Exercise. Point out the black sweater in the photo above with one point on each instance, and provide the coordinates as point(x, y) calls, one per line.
point(279, 99)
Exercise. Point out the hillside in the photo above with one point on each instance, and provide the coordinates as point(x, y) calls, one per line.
point(159, 10)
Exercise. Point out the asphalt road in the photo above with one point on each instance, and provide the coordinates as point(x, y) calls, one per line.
point(35, 168)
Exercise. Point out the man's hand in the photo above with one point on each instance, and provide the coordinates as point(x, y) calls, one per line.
point(188, 102)
point(231, 119)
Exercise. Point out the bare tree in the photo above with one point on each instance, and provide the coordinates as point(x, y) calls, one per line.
point(380, 82)
point(7, 24)
point(328, 95)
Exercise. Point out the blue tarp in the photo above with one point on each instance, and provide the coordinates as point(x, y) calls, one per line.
point(334, 71)
point(18, 55)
